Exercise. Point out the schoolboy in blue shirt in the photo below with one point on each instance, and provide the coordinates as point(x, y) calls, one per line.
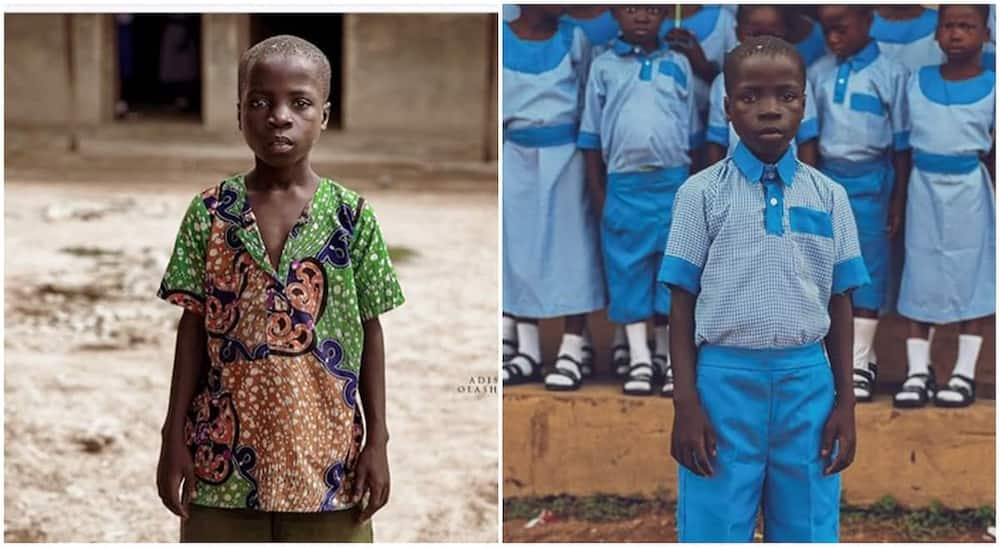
point(860, 95)
point(640, 124)
point(761, 257)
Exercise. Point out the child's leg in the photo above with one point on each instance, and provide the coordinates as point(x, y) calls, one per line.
point(327, 527)
point(567, 370)
point(960, 390)
point(918, 388)
point(640, 374)
point(661, 353)
point(212, 524)
point(723, 507)
point(865, 324)
point(620, 356)
point(509, 337)
point(587, 360)
point(524, 365)
point(801, 504)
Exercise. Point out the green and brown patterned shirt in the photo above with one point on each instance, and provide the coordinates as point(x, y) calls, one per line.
point(276, 424)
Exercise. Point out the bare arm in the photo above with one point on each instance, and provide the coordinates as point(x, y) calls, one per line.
point(991, 159)
point(714, 153)
point(808, 152)
point(840, 424)
point(190, 366)
point(596, 179)
point(372, 472)
point(692, 439)
point(897, 204)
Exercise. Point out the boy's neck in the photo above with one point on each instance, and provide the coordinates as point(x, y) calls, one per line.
point(648, 45)
point(534, 26)
point(857, 51)
point(962, 69)
point(266, 178)
point(768, 158)
point(904, 12)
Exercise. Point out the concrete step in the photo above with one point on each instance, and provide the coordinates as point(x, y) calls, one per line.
point(598, 441)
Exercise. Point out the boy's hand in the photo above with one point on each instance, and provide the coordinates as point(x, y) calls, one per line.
point(692, 440)
point(840, 427)
point(175, 465)
point(372, 475)
point(896, 211)
point(695, 55)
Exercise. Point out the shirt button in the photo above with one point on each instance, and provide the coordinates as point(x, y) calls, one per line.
point(840, 81)
point(774, 202)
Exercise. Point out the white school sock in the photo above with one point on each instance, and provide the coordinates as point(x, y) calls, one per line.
point(968, 354)
point(527, 343)
point(638, 346)
point(509, 328)
point(918, 356)
point(661, 334)
point(571, 346)
point(864, 340)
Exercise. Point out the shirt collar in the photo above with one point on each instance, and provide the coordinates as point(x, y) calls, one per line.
point(753, 169)
point(864, 57)
point(623, 48)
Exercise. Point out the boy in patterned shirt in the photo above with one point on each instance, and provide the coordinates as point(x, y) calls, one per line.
point(282, 275)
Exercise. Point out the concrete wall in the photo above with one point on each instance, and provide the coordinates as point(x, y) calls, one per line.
point(224, 38)
point(417, 72)
point(35, 77)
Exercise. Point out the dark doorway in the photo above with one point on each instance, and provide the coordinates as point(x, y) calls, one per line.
point(159, 66)
point(325, 30)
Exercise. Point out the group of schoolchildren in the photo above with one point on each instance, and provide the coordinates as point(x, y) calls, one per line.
point(608, 111)
point(762, 183)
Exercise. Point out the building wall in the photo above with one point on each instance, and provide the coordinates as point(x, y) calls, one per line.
point(417, 72)
point(35, 81)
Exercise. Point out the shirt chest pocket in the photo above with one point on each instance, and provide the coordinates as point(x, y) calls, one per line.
point(671, 88)
point(811, 232)
point(874, 113)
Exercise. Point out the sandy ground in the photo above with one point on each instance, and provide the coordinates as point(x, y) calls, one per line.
point(88, 353)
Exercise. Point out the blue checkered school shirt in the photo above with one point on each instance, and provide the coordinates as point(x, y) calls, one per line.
point(763, 247)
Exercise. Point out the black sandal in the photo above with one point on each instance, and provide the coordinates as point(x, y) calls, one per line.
point(571, 373)
point(967, 390)
point(639, 372)
point(510, 345)
point(515, 376)
point(864, 380)
point(666, 374)
point(620, 364)
point(924, 394)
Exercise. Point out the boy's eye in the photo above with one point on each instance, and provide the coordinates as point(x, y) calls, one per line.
point(257, 103)
point(301, 103)
point(789, 96)
point(748, 97)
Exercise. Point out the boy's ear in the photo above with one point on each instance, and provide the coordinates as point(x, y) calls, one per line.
point(326, 115)
point(239, 117)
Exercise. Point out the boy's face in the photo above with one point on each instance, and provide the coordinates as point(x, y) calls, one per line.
point(639, 24)
point(845, 27)
point(281, 110)
point(763, 21)
point(961, 32)
point(765, 103)
point(551, 12)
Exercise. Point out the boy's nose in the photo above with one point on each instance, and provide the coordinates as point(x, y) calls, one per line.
point(280, 116)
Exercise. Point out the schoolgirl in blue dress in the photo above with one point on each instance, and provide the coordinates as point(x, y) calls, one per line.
point(949, 271)
point(551, 258)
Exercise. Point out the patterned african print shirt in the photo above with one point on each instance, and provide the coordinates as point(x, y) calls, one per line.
point(276, 425)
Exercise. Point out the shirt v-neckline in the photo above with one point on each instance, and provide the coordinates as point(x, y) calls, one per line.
point(251, 231)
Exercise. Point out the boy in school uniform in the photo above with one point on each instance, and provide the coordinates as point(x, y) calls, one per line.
point(640, 124)
point(761, 257)
point(757, 20)
point(282, 275)
point(864, 145)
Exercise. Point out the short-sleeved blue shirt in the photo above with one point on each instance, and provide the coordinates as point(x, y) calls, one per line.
point(639, 109)
point(763, 247)
point(861, 102)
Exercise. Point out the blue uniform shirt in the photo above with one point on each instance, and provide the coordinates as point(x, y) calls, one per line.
point(639, 109)
point(861, 103)
point(763, 247)
point(721, 132)
point(715, 30)
point(599, 30)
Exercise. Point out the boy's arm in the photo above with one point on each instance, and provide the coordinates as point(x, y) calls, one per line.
point(897, 207)
point(990, 160)
point(692, 439)
point(808, 152)
point(840, 424)
point(190, 365)
point(596, 179)
point(372, 472)
point(714, 153)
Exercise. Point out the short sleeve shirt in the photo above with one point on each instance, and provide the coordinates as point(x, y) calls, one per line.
point(276, 424)
point(763, 247)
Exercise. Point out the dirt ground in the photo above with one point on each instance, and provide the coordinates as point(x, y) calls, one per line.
point(88, 347)
point(662, 528)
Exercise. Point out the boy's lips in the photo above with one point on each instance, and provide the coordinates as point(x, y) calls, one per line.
point(280, 143)
point(770, 133)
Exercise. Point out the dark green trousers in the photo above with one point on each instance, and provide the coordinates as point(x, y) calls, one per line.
point(210, 524)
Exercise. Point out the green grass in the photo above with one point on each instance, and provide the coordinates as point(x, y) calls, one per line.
point(90, 251)
point(923, 523)
point(399, 254)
